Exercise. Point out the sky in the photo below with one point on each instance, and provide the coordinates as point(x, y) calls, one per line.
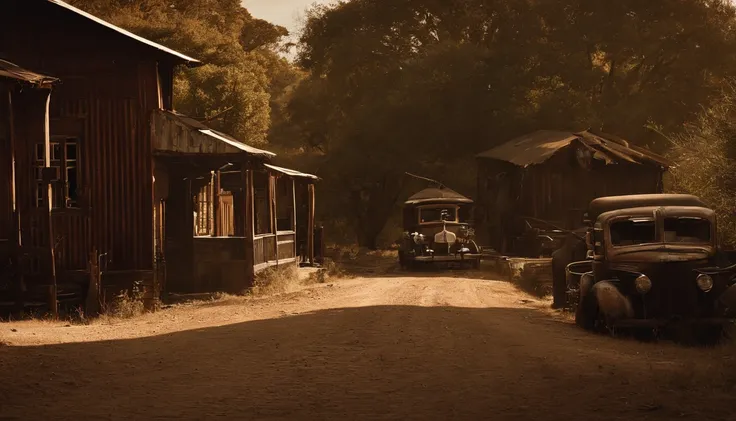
point(286, 13)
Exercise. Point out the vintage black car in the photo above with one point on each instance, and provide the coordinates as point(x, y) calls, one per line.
point(437, 229)
point(653, 263)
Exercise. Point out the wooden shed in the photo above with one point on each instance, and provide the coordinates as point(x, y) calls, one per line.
point(552, 176)
point(128, 169)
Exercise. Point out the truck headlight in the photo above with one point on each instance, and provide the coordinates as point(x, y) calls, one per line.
point(705, 282)
point(643, 284)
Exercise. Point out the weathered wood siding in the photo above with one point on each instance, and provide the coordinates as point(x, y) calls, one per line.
point(5, 165)
point(110, 86)
point(557, 191)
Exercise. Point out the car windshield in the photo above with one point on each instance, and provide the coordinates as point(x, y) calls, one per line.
point(686, 230)
point(631, 232)
point(435, 214)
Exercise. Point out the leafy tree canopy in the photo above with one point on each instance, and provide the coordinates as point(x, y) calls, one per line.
point(400, 85)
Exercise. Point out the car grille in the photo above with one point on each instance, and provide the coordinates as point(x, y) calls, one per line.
point(674, 291)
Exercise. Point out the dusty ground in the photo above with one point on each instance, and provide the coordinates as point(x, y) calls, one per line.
point(380, 346)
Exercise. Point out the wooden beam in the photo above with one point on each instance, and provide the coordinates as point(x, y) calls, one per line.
point(310, 226)
point(215, 200)
point(53, 303)
point(274, 222)
point(250, 230)
point(16, 228)
point(293, 215)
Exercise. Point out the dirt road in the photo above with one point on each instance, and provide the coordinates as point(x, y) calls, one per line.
point(366, 348)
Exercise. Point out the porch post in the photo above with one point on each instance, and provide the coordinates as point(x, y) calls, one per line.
point(310, 226)
point(215, 200)
point(293, 218)
point(249, 227)
point(15, 236)
point(53, 304)
point(274, 223)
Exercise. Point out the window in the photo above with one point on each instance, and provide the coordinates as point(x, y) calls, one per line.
point(428, 215)
point(262, 208)
point(203, 211)
point(686, 230)
point(633, 232)
point(284, 204)
point(63, 158)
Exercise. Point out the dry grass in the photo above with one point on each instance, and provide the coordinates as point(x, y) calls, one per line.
point(127, 305)
point(277, 280)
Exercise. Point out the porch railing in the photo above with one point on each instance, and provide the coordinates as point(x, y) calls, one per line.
point(273, 249)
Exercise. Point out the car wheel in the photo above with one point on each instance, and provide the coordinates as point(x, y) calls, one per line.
point(586, 313)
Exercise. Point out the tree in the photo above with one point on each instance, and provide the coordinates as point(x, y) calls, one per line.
point(239, 88)
point(414, 84)
point(705, 160)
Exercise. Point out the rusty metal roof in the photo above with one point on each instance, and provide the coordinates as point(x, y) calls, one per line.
point(291, 173)
point(201, 138)
point(179, 56)
point(13, 71)
point(437, 195)
point(537, 147)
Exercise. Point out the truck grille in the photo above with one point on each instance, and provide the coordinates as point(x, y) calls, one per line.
point(674, 291)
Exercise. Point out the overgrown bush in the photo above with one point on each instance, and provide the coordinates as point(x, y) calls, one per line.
point(705, 165)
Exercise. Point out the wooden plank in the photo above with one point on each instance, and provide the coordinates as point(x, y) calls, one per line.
point(293, 214)
point(272, 195)
point(250, 229)
point(310, 227)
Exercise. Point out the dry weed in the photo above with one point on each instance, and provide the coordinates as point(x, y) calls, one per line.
point(127, 305)
point(276, 280)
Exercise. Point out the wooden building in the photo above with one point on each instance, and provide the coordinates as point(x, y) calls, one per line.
point(552, 176)
point(226, 212)
point(127, 166)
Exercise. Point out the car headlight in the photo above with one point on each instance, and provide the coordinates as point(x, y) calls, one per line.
point(705, 282)
point(643, 284)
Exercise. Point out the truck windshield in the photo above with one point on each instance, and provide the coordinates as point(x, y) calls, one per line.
point(435, 214)
point(686, 230)
point(631, 232)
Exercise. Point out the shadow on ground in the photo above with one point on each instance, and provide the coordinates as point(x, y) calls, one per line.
point(389, 362)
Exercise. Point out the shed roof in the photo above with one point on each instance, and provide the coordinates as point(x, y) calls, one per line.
point(203, 139)
point(175, 54)
point(292, 173)
point(537, 147)
point(437, 194)
point(13, 71)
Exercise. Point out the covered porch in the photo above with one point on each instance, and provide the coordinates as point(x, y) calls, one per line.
point(27, 270)
point(223, 213)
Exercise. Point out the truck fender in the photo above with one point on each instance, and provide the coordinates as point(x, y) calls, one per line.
point(613, 304)
point(726, 303)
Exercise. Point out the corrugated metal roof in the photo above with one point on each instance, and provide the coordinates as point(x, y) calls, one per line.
point(436, 194)
point(198, 127)
point(291, 173)
point(532, 148)
point(13, 71)
point(236, 143)
point(537, 147)
point(178, 55)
